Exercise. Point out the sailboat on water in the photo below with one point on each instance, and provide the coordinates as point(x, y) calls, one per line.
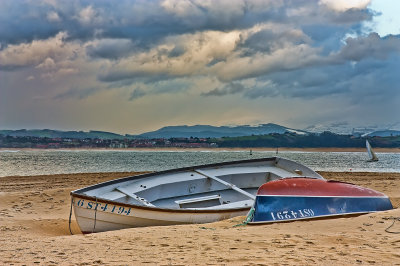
point(371, 153)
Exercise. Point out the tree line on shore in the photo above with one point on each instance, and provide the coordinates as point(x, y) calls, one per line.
point(287, 140)
point(323, 140)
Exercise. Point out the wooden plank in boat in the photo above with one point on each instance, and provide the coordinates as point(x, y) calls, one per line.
point(232, 186)
point(134, 196)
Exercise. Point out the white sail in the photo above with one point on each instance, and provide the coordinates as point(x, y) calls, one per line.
point(371, 153)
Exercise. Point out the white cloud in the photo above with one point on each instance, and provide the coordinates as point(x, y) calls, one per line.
point(47, 64)
point(343, 5)
point(197, 50)
point(53, 16)
point(34, 53)
point(89, 16)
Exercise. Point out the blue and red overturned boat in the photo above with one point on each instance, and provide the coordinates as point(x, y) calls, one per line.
point(305, 198)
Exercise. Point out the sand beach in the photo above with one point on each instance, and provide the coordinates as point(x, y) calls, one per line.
point(34, 213)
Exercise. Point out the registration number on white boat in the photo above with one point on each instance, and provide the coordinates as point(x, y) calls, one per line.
point(105, 207)
point(287, 215)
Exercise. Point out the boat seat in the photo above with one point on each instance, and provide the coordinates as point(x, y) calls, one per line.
point(233, 205)
point(200, 202)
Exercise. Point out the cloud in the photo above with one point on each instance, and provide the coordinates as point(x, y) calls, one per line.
point(199, 51)
point(344, 5)
point(270, 39)
point(48, 64)
point(287, 58)
point(87, 15)
point(146, 22)
point(178, 56)
point(136, 94)
point(36, 52)
point(76, 93)
point(372, 45)
point(110, 48)
point(230, 88)
point(53, 16)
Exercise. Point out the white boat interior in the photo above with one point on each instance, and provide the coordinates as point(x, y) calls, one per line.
point(219, 186)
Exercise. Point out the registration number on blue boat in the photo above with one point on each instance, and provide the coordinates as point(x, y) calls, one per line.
point(292, 214)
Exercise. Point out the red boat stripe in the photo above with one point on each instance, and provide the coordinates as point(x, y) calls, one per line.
point(315, 187)
point(326, 196)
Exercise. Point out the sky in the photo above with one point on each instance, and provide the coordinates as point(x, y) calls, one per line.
point(136, 66)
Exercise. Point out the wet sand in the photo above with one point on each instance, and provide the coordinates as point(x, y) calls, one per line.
point(34, 214)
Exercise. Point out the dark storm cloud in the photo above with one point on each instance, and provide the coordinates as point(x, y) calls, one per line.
point(351, 16)
point(111, 48)
point(120, 30)
point(376, 81)
point(373, 46)
point(147, 22)
point(375, 73)
point(141, 21)
point(365, 82)
point(267, 41)
point(22, 21)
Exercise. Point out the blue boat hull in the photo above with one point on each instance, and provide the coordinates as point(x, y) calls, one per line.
point(276, 208)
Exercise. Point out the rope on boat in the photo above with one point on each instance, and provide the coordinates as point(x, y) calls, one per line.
point(95, 216)
point(249, 217)
point(70, 214)
point(394, 220)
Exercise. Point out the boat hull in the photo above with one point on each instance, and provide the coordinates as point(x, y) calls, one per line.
point(195, 194)
point(297, 199)
point(281, 208)
point(99, 216)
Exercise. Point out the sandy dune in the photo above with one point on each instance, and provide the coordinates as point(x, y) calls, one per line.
point(34, 230)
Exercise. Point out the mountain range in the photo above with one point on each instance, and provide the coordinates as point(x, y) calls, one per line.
point(205, 131)
point(197, 131)
point(50, 133)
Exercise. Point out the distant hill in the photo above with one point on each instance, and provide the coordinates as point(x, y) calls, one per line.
point(382, 133)
point(325, 139)
point(197, 131)
point(205, 131)
point(268, 135)
point(49, 133)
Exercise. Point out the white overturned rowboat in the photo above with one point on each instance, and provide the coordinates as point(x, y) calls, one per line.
point(197, 194)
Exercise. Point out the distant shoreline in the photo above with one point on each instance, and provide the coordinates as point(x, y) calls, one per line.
point(389, 150)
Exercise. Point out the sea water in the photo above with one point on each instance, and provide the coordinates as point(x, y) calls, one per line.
point(46, 162)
